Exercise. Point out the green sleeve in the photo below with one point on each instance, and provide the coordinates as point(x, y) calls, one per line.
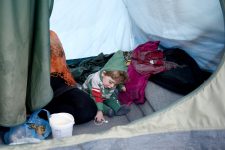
point(99, 105)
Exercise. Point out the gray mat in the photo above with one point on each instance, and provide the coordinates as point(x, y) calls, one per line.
point(157, 98)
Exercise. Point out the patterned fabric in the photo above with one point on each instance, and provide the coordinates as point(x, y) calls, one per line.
point(35, 129)
point(58, 60)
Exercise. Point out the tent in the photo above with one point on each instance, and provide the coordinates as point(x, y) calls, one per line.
point(195, 122)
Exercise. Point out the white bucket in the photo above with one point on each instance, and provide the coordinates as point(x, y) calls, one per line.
point(61, 125)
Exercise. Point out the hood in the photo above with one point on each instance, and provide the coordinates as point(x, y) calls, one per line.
point(116, 62)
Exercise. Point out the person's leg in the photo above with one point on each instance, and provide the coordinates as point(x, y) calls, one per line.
point(76, 102)
point(114, 103)
point(107, 111)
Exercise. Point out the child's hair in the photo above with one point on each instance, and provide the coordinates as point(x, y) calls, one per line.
point(118, 76)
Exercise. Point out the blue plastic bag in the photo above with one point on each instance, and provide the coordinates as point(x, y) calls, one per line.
point(34, 130)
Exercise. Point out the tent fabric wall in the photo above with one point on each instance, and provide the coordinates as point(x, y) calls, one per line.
point(102, 27)
point(87, 28)
point(176, 23)
point(24, 59)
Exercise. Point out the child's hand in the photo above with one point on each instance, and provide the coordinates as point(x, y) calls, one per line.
point(123, 89)
point(99, 116)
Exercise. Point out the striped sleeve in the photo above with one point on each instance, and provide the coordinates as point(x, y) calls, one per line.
point(97, 95)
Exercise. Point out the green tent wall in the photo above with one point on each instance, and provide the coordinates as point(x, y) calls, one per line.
point(24, 57)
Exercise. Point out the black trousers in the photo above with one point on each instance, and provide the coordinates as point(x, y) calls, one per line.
point(73, 101)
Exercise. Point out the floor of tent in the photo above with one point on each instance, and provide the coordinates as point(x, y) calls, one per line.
point(157, 98)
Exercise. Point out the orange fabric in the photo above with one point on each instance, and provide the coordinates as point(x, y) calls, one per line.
point(58, 60)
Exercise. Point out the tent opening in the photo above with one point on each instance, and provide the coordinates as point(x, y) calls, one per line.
point(100, 31)
point(89, 30)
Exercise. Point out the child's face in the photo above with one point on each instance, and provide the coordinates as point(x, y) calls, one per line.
point(108, 82)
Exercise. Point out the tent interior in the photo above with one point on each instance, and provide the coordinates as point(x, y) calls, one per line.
point(88, 29)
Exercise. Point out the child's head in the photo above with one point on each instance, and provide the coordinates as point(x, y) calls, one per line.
point(113, 78)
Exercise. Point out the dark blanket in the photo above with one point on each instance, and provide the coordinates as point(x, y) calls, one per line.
point(183, 79)
point(83, 67)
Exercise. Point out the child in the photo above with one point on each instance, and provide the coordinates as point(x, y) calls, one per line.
point(102, 85)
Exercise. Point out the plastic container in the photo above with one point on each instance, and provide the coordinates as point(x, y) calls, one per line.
point(61, 125)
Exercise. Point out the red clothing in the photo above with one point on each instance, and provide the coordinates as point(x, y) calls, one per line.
point(97, 94)
point(146, 60)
